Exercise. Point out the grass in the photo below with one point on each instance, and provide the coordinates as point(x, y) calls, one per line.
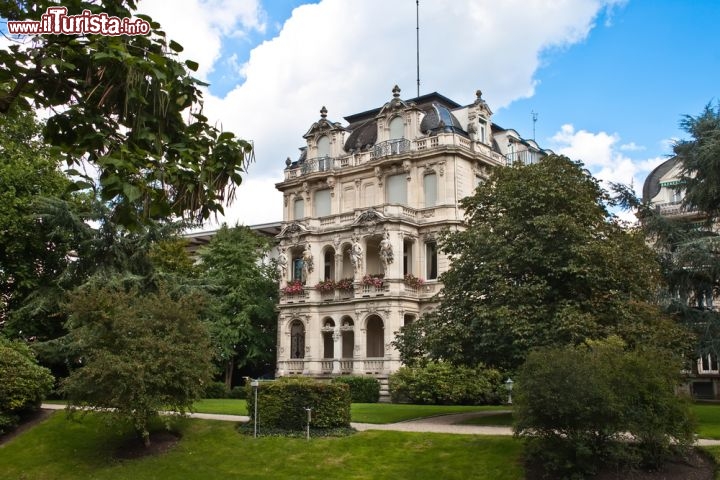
point(707, 416)
point(59, 449)
point(224, 406)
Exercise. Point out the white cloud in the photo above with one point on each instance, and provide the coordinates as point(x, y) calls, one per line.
point(631, 147)
point(200, 25)
point(602, 155)
point(348, 54)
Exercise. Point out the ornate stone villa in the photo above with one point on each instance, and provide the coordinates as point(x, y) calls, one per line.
point(363, 205)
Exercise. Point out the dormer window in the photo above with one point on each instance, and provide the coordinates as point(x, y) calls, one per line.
point(323, 146)
point(482, 132)
point(397, 128)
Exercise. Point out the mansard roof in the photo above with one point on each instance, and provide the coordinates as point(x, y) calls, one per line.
point(651, 187)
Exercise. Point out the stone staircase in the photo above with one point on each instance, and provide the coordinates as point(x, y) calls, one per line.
point(384, 388)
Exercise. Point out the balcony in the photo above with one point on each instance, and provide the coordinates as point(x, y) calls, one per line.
point(394, 287)
point(325, 366)
point(389, 148)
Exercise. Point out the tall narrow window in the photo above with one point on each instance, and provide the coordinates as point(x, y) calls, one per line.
point(299, 209)
point(323, 146)
point(323, 206)
point(297, 340)
point(483, 131)
point(430, 189)
point(397, 189)
point(431, 261)
point(297, 267)
point(329, 265)
point(407, 258)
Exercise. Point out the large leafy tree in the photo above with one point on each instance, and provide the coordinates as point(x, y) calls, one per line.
point(541, 263)
point(139, 353)
point(32, 253)
point(243, 294)
point(130, 109)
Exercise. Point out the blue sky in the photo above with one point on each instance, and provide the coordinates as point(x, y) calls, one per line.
point(609, 79)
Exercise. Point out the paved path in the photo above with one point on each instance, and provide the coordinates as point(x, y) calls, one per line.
point(437, 424)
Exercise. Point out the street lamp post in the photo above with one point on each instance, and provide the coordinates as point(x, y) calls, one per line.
point(255, 384)
point(509, 387)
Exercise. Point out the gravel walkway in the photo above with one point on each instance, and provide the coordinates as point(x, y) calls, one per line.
point(437, 424)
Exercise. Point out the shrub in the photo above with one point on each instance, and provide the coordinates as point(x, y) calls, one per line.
point(216, 390)
point(575, 407)
point(362, 389)
point(282, 404)
point(23, 383)
point(439, 383)
point(238, 393)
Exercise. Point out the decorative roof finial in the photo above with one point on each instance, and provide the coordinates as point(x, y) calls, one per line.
point(396, 91)
point(323, 112)
point(478, 94)
point(288, 161)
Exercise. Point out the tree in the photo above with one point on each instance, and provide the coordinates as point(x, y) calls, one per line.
point(700, 161)
point(541, 263)
point(128, 107)
point(575, 406)
point(138, 353)
point(243, 292)
point(31, 253)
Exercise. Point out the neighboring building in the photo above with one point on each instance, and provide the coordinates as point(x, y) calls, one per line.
point(363, 207)
point(661, 188)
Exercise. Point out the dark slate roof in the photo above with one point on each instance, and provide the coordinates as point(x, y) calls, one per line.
point(418, 101)
point(651, 187)
point(439, 118)
point(364, 134)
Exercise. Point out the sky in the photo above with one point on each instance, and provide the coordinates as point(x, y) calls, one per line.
point(609, 80)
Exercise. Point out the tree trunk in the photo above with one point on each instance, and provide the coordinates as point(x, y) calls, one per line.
point(229, 369)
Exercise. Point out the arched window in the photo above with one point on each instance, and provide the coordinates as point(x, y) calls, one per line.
point(397, 128)
point(323, 146)
point(297, 339)
point(430, 189)
point(329, 264)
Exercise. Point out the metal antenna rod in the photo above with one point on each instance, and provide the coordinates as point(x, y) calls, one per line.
point(417, 27)
point(534, 119)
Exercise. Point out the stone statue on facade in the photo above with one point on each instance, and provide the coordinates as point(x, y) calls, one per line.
point(386, 252)
point(308, 265)
point(282, 265)
point(356, 253)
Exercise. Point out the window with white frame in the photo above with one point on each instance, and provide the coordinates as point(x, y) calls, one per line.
point(397, 189)
point(430, 189)
point(397, 128)
point(708, 364)
point(299, 209)
point(323, 206)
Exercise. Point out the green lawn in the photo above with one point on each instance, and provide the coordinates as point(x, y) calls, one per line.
point(59, 449)
point(224, 406)
point(707, 416)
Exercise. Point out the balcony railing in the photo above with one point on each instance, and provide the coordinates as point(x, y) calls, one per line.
point(395, 147)
point(391, 147)
point(347, 365)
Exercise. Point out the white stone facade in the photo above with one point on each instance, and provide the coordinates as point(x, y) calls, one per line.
point(363, 206)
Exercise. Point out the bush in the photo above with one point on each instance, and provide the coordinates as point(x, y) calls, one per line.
point(440, 383)
point(23, 383)
point(216, 390)
point(362, 389)
point(575, 407)
point(282, 403)
point(238, 393)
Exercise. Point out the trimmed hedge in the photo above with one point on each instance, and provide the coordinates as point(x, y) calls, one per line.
point(216, 390)
point(282, 403)
point(440, 383)
point(362, 389)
